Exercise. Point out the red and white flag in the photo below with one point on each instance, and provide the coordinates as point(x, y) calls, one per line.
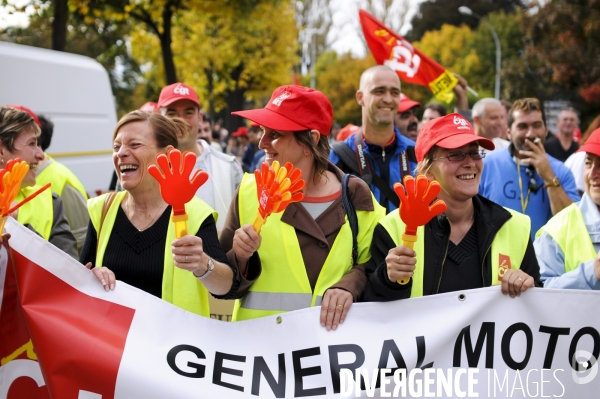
point(411, 65)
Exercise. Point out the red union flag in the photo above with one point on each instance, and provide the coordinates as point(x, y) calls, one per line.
point(392, 50)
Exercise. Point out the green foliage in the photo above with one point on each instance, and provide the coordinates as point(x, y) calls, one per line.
point(338, 78)
point(433, 14)
point(221, 55)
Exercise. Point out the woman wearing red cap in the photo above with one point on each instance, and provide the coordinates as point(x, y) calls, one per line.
point(475, 243)
point(303, 256)
point(568, 246)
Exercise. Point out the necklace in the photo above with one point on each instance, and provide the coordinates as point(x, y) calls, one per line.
point(464, 231)
point(158, 212)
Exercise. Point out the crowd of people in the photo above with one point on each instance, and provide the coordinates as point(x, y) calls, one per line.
point(522, 208)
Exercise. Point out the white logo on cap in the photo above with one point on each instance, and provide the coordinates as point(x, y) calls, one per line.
point(460, 121)
point(282, 97)
point(179, 89)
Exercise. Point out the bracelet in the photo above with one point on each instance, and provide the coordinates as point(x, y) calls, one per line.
point(209, 269)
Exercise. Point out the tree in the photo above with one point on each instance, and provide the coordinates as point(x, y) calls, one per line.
point(433, 14)
point(565, 34)
point(228, 60)
point(157, 16)
point(472, 53)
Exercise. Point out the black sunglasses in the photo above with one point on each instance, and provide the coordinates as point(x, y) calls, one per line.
point(533, 184)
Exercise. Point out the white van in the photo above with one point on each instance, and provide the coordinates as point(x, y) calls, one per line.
point(74, 92)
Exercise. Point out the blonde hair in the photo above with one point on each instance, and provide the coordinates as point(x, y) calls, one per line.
point(12, 123)
point(164, 129)
point(424, 166)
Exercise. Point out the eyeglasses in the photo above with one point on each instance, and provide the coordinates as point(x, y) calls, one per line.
point(533, 184)
point(459, 156)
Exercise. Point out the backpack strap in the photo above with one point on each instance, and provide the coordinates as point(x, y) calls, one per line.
point(352, 218)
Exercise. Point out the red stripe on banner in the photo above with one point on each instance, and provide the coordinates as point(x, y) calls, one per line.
point(16, 341)
point(79, 339)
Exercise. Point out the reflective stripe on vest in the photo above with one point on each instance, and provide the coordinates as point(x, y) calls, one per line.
point(283, 284)
point(568, 229)
point(39, 212)
point(59, 175)
point(280, 301)
point(507, 250)
point(179, 286)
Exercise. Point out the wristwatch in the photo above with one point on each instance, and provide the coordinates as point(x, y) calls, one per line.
point(210, 268)
point(554, 183)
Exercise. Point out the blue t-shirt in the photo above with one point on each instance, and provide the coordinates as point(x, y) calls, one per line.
point(500, 183)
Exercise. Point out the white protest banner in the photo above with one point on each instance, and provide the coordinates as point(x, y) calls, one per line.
point(127, 344)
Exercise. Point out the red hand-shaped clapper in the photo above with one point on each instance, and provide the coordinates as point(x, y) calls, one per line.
point(416, 207)
point(276, 188)
point(176, 186)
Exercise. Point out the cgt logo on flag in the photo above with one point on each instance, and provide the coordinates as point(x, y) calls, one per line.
point(503, 265)
point(404, 59)
point(411, 65)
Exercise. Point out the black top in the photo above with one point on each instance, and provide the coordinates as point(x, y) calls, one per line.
point(554, 148)
point(382, 156)
point(462, 268)
point(489, 218)
point(137, 257)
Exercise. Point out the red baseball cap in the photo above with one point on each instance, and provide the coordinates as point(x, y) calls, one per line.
point(406, 103)
point(25, 109)
point(592, 144)
point(241, 132)
point(176, 92)
point(293, 108)
point(149, 107)
point(347, 131)
point(450, 131)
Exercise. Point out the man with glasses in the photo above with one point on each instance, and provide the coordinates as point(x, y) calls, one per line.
point(523, 176)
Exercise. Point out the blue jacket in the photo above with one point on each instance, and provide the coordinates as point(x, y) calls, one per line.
point(402, 143)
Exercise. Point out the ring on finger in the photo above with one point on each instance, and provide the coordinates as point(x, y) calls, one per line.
point(340, 306)
point(519, 278)
point(185, 259)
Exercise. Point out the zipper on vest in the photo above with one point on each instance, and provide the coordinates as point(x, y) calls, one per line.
point(482, 263)
point(383, 155)
point(443, 261)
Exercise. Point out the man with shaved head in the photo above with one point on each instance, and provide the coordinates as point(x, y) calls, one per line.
point(378, 153)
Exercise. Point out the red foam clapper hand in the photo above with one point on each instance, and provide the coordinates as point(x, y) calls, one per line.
point(176, 186)
point(276, 188)
point(417, 206)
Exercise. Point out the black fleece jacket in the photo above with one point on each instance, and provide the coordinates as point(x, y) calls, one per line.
point(489, 216)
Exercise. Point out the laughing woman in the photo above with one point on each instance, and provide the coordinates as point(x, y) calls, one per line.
point(19, 132)
point(303, 256)
point(476, 243)
point(130, 234)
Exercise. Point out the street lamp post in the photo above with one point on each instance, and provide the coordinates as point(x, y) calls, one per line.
point(467, 11)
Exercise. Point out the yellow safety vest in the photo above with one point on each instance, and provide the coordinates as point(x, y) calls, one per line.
point(39, 212)
point(568, 229)
point(179, 286)
point(283, 284)
point(508, 248)
point(59, 175)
